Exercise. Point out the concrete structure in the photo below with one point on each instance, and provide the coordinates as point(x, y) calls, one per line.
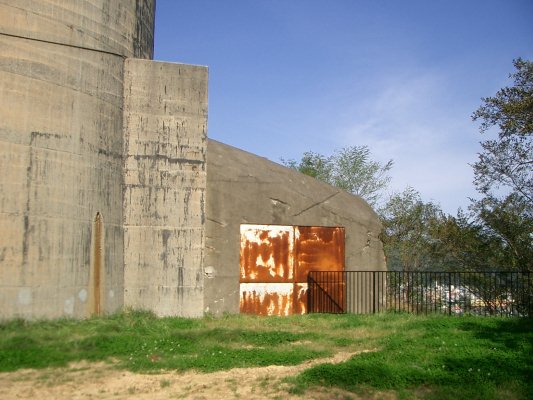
point(103, 163)
point(245, 189)
point(103, 187)
point(165, 132)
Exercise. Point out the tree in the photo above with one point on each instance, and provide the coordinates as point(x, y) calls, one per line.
point(350, 169)
point(312, 164)
point(506, 165)
point(407, 231)
point(507, 162)
point(462, 243)
point(511, 222)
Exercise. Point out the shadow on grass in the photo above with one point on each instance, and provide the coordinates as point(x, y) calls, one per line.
point(475, 358)
point(512, 333)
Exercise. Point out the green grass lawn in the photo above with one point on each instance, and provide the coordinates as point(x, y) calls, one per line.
point(431, 357)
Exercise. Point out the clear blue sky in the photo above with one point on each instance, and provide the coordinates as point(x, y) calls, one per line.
point(403, 77)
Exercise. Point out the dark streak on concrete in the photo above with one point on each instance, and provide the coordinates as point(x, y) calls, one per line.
point(165, 233)
point(43, 135)
point(216, 222)
point(29, 179)
point(202, 208)
point(180, 283)
point(143, 43)
point(170, 160)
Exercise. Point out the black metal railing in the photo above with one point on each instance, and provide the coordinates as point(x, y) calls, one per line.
point(326, 292)
point(420, 292)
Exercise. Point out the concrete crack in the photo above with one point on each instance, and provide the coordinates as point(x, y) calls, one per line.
point(217, 222)
point(278, 201)
point(316, 204)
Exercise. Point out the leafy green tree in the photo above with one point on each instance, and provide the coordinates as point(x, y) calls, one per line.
point(408, 224)
point(461, 243)
point(506, 166)
point(510, 221)
point(312, 164)
point(507, 162)
point(464, 243)
point(350, 169)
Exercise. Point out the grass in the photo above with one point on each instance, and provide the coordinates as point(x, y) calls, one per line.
point(431, 357)
point(439, 358)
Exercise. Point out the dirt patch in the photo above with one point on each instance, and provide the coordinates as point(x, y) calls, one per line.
point(101, 381)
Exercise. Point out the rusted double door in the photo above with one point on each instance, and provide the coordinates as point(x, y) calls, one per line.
point(275, 261)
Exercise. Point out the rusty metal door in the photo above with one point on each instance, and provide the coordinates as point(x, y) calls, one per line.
point(275, 261)
point(317, 248)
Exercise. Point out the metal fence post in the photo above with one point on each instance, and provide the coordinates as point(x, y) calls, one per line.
point(449, 293)
point(309, 297)
point(374, 292)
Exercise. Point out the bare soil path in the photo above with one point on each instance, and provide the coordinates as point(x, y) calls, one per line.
point(82, 381)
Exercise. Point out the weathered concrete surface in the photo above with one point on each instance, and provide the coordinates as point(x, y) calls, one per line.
point(124, 27)
point(246, 189)
point(61, 152)
point(165, 125)
point(103, 183)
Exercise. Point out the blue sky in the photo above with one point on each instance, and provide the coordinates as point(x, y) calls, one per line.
point(402, 77)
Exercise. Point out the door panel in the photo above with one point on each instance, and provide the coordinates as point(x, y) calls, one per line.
point(267, 253)
point(275, 261)
point(318, 248)
point(267, 298)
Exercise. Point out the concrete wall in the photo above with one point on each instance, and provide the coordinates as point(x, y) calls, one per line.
point(103, 187)
point(123, 27)
point(61, 79)
point(246, 189)
point(165, 129)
